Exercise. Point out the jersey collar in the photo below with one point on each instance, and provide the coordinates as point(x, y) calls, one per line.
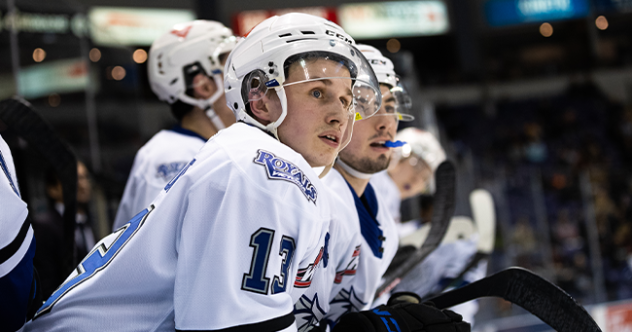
point(367, 206)
point(178, 129)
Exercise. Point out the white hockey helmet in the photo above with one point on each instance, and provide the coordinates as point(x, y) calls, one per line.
point(188, 49)
point(421, 144)
point(260, 61)
point(385, 73)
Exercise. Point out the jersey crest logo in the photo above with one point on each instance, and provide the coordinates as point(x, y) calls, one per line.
point(169, 170)
point(279, 169)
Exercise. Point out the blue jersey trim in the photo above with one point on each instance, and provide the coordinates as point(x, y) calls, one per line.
point(367, 206)
point(5, 170)
point(178, 129)
point(15, 288)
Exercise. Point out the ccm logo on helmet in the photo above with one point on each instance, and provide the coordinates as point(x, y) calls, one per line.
point(339, 36)
point(378, 62)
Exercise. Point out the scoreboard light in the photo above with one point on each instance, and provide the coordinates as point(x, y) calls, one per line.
point(244, 21)
point(394, 19)
point(366, 20)
point(57, 76)
point(512, 12)
point(117, 26)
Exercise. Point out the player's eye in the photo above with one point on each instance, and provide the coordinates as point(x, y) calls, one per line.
point(316, 93)
point(389, 109)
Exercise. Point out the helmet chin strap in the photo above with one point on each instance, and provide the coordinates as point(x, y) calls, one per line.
point(353, 172)
point(217, 121)
point(273, 126)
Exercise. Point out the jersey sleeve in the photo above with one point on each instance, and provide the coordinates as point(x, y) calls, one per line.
point(245, 253)
point(17, 247)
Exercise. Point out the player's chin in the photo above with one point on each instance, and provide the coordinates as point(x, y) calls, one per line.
point(322, 158)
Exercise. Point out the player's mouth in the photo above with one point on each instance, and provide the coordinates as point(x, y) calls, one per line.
point(379, 146)
point(331, 139)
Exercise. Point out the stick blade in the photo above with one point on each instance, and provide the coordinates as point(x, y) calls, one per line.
point(535, 294)
point(484, 215)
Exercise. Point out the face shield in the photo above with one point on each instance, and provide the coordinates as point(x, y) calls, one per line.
point(337, 80)
point(217, 59)
point(396, 103)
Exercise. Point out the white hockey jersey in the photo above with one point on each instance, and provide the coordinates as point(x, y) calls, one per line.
point(17, 247)
point(232, 241)
point(157, 162)
point(13, 212)
point(379, 242)
point(391, 196)
point(328, 295)
point(439, 269)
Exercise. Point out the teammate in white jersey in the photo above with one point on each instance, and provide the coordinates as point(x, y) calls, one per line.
point(233, 240)
point(410, 174)
point(185, 70)
point(17, 247)
point(365, 155)
point(411, 171)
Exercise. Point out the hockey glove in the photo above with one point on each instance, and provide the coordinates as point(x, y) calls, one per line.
point(403, 317)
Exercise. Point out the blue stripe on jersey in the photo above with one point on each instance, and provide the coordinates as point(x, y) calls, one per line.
point(97, 259)
point(367, 212)
point(178, 129)
point(5, 169)
point(15, 288)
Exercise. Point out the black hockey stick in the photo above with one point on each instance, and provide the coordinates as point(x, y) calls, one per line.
point(20, 117)
point(482, 205)
point(443, 209)
point(535, 294)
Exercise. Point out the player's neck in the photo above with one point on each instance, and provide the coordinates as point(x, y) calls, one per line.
point(358, 185)
point(197, 122)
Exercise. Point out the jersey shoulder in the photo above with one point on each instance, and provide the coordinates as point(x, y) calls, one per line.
point(338, 185)
point(164, 155)
point(264, 162)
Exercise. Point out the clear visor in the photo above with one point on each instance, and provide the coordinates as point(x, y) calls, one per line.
point(396, 102)
point(220, 53)
point(337, 78)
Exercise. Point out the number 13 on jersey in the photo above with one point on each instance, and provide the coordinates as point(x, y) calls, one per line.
point(255, 280)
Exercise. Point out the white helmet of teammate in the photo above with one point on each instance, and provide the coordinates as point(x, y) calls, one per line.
point(385, 73)
point(421, 151)
point(260, 61)
point(421, 144)
point(188, 49)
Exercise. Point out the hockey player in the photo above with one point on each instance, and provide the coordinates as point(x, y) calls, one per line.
point(186, 71)
point(411, 170)
point(234, 239)
point(410, 174)
point(17, 248)
point(367, 153)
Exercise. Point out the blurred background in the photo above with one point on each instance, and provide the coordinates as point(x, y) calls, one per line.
point(531, 98)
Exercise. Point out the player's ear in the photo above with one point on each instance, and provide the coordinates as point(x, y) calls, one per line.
point(266, 108)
